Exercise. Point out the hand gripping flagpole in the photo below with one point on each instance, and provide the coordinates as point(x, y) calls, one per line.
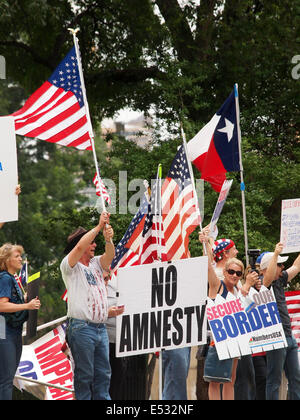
point(237, 107)
point(87, 110)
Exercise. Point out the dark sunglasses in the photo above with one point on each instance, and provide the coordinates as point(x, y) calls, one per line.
point(280, 265)
point(232, 272)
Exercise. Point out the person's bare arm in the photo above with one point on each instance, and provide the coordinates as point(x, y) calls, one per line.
point(78, 251)
point(7, 307)
point(270, 274)
point(294, 269)
point(213, 281)
point(109, 253)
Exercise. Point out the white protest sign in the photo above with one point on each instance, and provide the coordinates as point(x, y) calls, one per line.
point(290, 225)
point(219, 206)
point(164, 306)
point(238, 332)
point(8, 171)
point(44, 361)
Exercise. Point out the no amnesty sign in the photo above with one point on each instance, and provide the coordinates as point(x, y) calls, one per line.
point(164, 306)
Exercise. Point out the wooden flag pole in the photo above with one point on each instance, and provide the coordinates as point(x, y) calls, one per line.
point(91, 132)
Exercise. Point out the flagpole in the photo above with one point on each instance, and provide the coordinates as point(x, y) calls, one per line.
point(158, 206)
point(237, 107)
point(91, 132)
point(158, 209)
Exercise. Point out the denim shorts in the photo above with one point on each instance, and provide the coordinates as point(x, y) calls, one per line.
point(216, 370)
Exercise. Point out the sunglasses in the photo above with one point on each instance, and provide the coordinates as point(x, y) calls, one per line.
point(232, 272)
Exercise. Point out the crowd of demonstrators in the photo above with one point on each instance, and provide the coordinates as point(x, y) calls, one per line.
point(256, 377)
point(91, 332)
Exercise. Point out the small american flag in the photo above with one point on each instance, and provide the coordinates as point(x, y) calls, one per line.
point(56, 112)
point(127, 250)
point(180, 210)
point(293, 305)
point(153, 241)
point(64, 296)
point(101, 189)
point(23, 275)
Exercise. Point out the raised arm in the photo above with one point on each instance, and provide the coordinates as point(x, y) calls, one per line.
point(109, 253)
point(294, 269)
point(213, 281)
point(78, 251)
point(270, 273)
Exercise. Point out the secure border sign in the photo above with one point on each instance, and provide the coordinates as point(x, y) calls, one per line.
point(240, 332)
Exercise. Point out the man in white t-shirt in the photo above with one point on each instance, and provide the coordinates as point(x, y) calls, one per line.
point(82, 274)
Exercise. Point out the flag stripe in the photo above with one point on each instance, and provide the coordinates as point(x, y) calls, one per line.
point(293, 305)
point(34, 116)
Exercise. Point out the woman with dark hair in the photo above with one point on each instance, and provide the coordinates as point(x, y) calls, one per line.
point(13, 314)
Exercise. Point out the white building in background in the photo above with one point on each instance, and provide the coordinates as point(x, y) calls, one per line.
point(133, 126)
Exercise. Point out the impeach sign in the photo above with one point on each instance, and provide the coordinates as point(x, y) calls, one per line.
point(44, 361)
point(238, 331)
point(164, 306)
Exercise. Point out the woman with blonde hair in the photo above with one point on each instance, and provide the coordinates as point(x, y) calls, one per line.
point(13, 313)
point(216, 371)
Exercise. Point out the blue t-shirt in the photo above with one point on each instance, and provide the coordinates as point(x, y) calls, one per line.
point(8, 289)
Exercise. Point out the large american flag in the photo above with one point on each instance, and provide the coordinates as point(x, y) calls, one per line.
point(56, 112)
point(180, 210)
point(293, 305)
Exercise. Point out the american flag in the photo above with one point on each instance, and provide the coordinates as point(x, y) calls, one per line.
point(23, 275)
point(293, 305)
point(101, 189)
point(127, 251)
point(64, 296)
point(153, 241)
point(180, 210)
point(56, 112)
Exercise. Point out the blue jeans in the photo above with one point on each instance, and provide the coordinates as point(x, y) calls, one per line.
point(10, 355)
point(286, 359)
point(175, 368)
point(89, 345)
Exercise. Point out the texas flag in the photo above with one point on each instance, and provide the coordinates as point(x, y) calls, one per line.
point(215, 149)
